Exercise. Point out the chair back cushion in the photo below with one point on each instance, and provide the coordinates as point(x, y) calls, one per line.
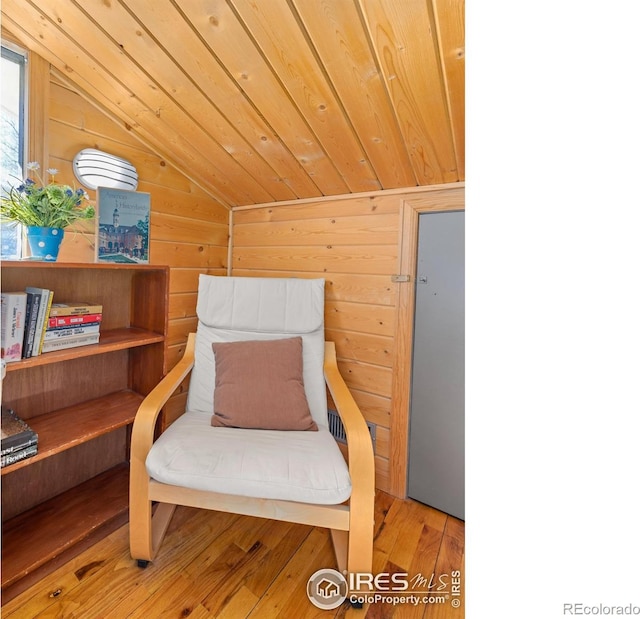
point(234, 309)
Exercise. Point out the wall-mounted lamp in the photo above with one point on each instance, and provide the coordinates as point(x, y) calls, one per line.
point(94, 168)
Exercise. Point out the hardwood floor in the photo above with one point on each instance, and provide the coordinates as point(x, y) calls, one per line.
point(220, 565)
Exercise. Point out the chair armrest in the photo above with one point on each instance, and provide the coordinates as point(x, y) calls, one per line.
point(145, 420)
point(361, 460)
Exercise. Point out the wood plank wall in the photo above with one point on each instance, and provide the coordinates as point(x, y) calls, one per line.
point(188, 228)
point(352, 243)
point(355, 243)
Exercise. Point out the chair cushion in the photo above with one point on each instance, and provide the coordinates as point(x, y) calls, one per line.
point(254, 308)
point(270, 464)
point(259, 385)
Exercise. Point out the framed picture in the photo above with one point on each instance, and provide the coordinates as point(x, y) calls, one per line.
point(123, 228)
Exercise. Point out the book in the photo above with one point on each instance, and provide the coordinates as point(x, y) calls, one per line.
point(41, 298)
point(16, 433)
point(30, 322)
point(70, 321)
point(33, 440)
point(13, 308)
point(73, 309)
point(47, 311)
point(70, 342)
point(16, 456)
point(63, 332)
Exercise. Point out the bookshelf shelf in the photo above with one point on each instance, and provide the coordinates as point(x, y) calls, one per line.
point(114, 339)
point(92, 419)
point(65, 521)
point(81, 402)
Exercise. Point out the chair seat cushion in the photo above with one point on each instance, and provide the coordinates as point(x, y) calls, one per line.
point(270, 464)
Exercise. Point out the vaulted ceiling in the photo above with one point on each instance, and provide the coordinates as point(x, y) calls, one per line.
point(269, 100)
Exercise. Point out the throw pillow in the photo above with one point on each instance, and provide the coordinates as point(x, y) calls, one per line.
point(259, 384)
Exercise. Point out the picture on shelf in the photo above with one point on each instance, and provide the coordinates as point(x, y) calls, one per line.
point(123, 230)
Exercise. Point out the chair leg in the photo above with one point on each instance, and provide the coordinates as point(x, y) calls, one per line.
point(360, 541)
point(160, 524)
point(147, 526)
point(147, 530)
point(354, 548)
point(340, 541)
point(140, 526)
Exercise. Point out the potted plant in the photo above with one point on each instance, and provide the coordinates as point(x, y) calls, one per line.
point(45, 210)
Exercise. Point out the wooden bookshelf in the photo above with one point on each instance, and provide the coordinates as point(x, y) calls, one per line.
point(81, 402)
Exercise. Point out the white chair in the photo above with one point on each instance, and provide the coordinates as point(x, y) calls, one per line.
point(291, 475)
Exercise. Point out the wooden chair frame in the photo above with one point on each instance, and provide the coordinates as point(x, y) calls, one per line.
point(351, 523)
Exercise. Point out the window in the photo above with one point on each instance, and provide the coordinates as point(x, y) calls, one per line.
point(12, 130)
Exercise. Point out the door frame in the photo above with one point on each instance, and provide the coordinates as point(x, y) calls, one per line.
point(440, 200)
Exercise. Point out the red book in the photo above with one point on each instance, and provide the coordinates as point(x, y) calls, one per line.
point(72, 321)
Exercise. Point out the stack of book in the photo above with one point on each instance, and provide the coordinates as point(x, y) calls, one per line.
point(19, 441)
point(24, 319)
point(32, 324)
point(72, 324)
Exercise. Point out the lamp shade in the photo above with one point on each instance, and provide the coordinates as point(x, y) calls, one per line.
point(94, 168)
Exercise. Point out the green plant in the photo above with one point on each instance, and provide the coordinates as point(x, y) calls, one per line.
point(47, 205)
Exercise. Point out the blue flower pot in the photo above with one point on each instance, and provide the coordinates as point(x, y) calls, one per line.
point(45, 242)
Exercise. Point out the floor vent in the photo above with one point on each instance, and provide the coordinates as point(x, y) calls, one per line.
point(337, 429)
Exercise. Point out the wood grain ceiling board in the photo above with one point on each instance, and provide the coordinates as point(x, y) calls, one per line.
point(261, 101)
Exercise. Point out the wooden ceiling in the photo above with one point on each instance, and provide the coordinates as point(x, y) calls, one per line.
point(260, 101)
